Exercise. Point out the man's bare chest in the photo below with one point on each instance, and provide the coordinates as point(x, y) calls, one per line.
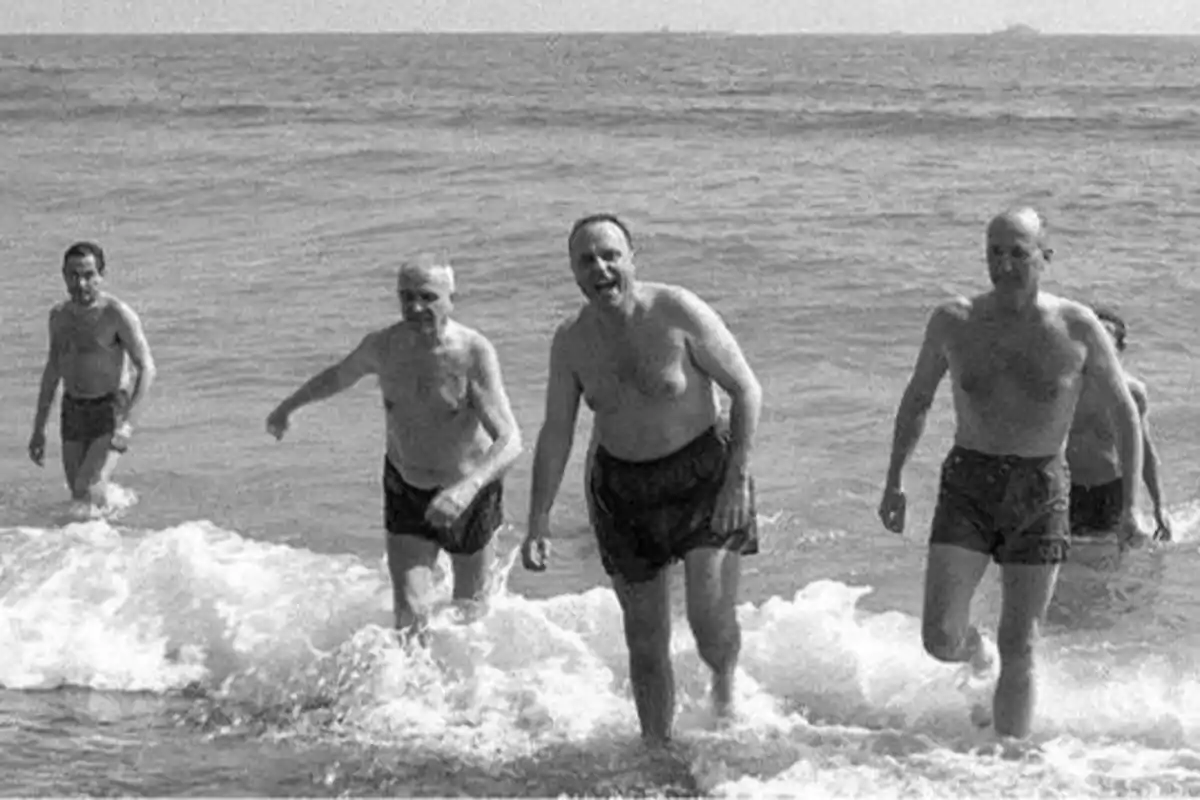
point(643, 368)
point(1038, 364)
point(431, 384)
point(87, 332)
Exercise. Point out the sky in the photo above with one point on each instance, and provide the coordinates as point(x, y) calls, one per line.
point(741, 16)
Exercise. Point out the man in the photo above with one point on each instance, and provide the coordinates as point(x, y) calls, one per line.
point(91, 336)
point(1018, 359)
point(665, 482)
point(451, 436)
point(1093, 459)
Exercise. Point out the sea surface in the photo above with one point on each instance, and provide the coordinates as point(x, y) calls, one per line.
point(228, 631)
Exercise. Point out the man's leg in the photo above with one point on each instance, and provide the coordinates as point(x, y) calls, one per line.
point(472, 578)
point(1027, 590)
point(952, 575)
point(95, 470)
point(712, 586)
point(72, 458)
point(411, 560)
point(646, 608)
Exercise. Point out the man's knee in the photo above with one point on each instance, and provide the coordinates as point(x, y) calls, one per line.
point(943, 642)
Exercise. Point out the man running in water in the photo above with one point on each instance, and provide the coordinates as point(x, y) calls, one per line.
point(451, 436)
point(1018, 359)
point(666, 480)
point(94, 337)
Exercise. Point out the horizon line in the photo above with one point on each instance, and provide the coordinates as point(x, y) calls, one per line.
point(999, 33)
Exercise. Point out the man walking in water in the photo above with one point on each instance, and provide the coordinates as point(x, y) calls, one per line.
point(91, 335)
point(665, 481)
point(1018, 359)
point(451, 436)
point(1092, 454)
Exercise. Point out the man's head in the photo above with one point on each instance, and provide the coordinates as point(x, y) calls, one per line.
point(1113, 324)
point(83, 271)
point(601, 252)
point(425, 287)
point(1017, 249)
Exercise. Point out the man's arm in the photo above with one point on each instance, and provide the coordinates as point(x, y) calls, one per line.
point(51, 375)
point(362, 361)
point(495, 412)
point(716, 352)
point(1150, 460)
point(1104, 370)
point(918, 396)
point(133, 339)
point(556, 436)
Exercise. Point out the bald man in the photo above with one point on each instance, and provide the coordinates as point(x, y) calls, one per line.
point(667, 479)
point(1018, 360)
point(451, 436)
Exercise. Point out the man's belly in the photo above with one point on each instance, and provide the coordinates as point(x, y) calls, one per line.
point(427, 457)
point(92, 375)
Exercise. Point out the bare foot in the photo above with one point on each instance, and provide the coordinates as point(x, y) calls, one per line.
point(978, 680)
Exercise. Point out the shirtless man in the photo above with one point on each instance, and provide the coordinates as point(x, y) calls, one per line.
point(91, 334)
point(1093, 459)
point(451, 436)
point(1018, 359)
point(665, 481)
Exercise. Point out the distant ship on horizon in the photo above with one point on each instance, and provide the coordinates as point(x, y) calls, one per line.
point(1018, 29)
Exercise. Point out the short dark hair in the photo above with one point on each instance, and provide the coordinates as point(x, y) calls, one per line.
point(591, 219)
point(1109, 315)
point(83, 250)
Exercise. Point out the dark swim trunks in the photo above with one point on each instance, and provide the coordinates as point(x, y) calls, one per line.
point(86, 419)
point(1096, 510)
point(647, 514)
point(404, 508)
point(1011, 507)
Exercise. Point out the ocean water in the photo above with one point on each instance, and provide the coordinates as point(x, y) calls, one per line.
point(227, 633)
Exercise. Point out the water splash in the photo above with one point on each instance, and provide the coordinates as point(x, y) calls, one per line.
point(270, 640)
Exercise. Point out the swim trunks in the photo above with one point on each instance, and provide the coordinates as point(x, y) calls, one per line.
point(647, 514)
point(1096, 510)
point(405, 505)
point(1013, 508)
point(86, 419)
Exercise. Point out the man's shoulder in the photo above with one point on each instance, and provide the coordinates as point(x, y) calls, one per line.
point(116, 308)
point(1137, 388)
point(949, 314)
point(677, 305)
point(465, 339)
point(1079, 319)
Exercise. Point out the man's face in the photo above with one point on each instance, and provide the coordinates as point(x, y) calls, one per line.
point(602, 262)
point(425, 299)
point(1014, 256)
point(83, 279)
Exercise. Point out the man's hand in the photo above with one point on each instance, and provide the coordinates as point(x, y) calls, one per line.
point(277, 423)
point(449, 504)
point(1162, 530)
point(37, 447)
point(119, 440)
point(535, 550)
point(732, 510)
point(891, 509)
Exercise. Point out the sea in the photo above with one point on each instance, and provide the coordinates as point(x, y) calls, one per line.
point(227, 631)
